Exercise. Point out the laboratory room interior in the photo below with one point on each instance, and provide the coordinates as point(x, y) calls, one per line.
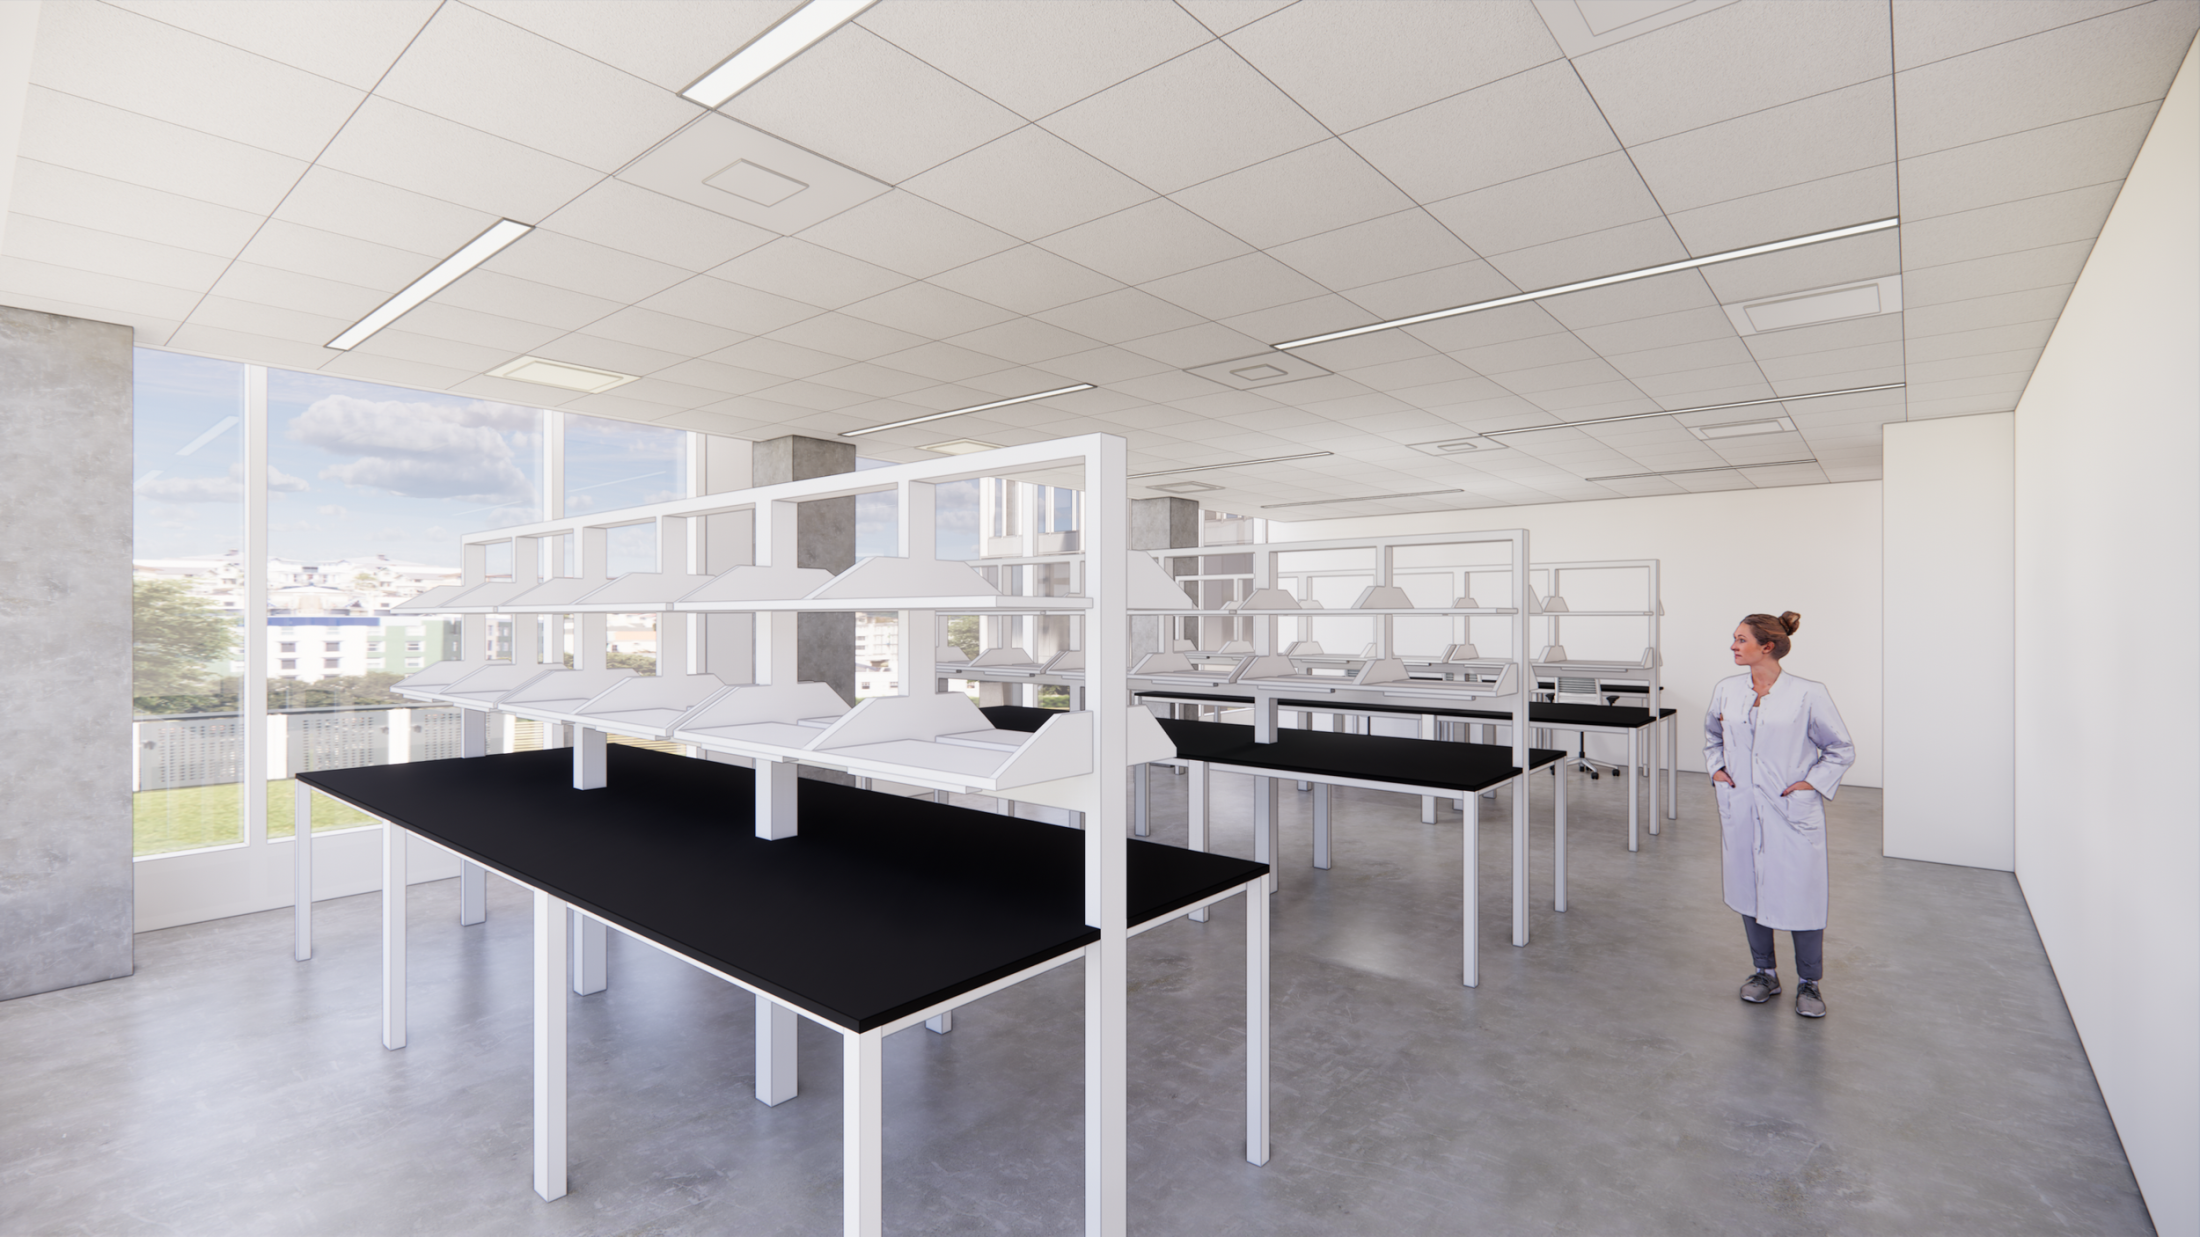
point(1296, 617)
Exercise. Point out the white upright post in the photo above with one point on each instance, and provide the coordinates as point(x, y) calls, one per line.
point(775, 1045)
point(591, 973)
point(1634, 741)
point(1266, 827)
point(776, 791)
point(1558, 847)
point(1196, 807)
point(549, 1046)
point(1107, 907)
point(863, 1134)
point(590, 759)
point(1321, 824)
point(473, 879)
point(775, 664)
point(1141, 801)
point(393, 936)
point(1470, 904)
point(1256, 1027)
point(301, 874)
point(1521, 747)
point(1428, 731)
point(252, 687)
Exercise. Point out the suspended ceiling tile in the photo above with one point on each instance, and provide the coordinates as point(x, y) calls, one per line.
point(1732, 61)
point(618, 407)
point(396, 371)
point(709, 423)
point(903, 232)
point(1451, 398)
point(1296, 320)
point(1196, 345)
point(1190, 119)
point(651, 329)
point(310, 251)
point(1026, 279)
point(246, 346)
point(1126, 313)
point(1930, 30)
point(715, 376)
point(1981, 365)
point(472, 327)
point(350, 41)
point(1530, 122)
point(815, 396)
point(672, 394)
point(1037, 58)
point(858, 99)
point(2092, 150)
point(846, 336)
point(598, 352)
point(47, 191)
point(1671, 330)
point(668, 42)
point(1629, 247)
point(507, 391)
point(718, 303)
point(2074, 214)
point(1110, 366)
point(2009, 338)
point(652, 225)
point(1681, 358)
point(1870, 358)
point(1409, 242)
point(1442, 288)
point(1528, 352)
point(1636, 299)
point(2047, 266)
point(1023, 340)
point(1145, 242)
point(289, 289)
point(524, 299)
point(1589, 196)
point(1963, 405)
point(105, 253)
point(1483, 329)
point(1849, 260)
point(923, 309)
point(1430, 369)
point(812, 274)
point(407, 345)
point(1844, 130)
point(2114, 61)
point(582, 266)
point(1235, 286)
point(427, 154)
point(1029, 184)
point(100, 52)
point(1566, 375)
point(1314, 189)
point(490, 75)
point(2030, 305)
point(310, 330)
point(1827, 336)
point(867, 378)
point(1708, 385)
point(774, 356)
point(338, 202)
point(1354, 64)
point(1798, 210)
point(107, 141)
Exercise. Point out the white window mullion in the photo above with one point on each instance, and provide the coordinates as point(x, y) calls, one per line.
point(252, 686)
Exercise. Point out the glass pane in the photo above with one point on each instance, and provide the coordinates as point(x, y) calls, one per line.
point(371, 488)
point(614, 464)
point(188, 591)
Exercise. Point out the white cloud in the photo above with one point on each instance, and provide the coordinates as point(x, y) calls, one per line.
point(422, 450)
point(339, 512)
point(223, 489)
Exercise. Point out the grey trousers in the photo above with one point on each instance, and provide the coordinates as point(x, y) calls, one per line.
point(1810, 948)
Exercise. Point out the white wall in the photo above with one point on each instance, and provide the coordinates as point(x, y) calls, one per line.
point(1812, 549)
point(1951, 640)
point(2108, 544)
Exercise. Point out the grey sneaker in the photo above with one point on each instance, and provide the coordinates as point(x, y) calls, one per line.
point(1760, 987)
point(1807, 1001)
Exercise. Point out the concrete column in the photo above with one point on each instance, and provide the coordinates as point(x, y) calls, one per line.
point(1159, 524)
point(66, 886)
point(826, 533)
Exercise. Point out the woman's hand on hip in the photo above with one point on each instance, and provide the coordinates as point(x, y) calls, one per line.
point(1797, 786)
point(1721, 776)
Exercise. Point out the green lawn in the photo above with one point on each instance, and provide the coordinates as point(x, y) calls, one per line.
point(196, 816)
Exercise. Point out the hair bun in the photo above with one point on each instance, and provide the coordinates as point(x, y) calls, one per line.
point(1792, 621)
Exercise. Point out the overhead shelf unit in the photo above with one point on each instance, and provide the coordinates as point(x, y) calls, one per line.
point(727, 596)
point(1635, 583)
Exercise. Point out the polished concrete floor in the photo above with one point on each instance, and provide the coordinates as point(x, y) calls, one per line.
point(1603, 1080)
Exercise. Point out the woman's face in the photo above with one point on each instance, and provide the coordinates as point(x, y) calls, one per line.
point(1747, 652)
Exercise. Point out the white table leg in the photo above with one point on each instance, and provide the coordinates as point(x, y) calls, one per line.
point(940, 1024)
point(1672, 766)
point(1470, 837)
point(1141, 793)
point(863, 1135)
point(1256, 1025)
point(1558, 849)
point(550, 941)
point(1428, 802)
point(1634, 740)
point(473, 893)
point(1196, 805)
point(590, 974)
point(1265, 826)
point(1321, 825)
point(393, 936)
point(775, 1043)
point(590, 759)
point(1651, 766)
point(301, 874)
point(776, 788)
point(1520, 856)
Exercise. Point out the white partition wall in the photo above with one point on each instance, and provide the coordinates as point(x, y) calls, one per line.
point(2108, 654)
point(1950, 692)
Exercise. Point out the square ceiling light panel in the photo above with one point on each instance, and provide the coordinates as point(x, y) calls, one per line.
point(1186, 487)
point(725, 166)
point(564, 375)
point(1817, 305)
point(961, 446)
point(1473, 444)
point(1266, 369)
point(1743, 429)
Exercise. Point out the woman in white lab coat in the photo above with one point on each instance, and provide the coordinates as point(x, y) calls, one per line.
point(1776, 749)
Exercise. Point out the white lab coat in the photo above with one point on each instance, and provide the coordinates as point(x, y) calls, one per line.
point(1774, 848)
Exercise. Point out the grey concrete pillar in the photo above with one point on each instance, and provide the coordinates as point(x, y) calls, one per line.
point(825, 533)
point(66, 885)
point(1159, 524)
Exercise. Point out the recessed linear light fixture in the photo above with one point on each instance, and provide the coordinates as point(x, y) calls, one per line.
point(1603, 281)
point(1675, 412)
point(1363, 498)
point(962, 446)
point(1743, 429)
point(790, 38)
point(475, 252)
point(1683, 472)
point(1273, 459)
point(561, 374)
point(941, 416)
